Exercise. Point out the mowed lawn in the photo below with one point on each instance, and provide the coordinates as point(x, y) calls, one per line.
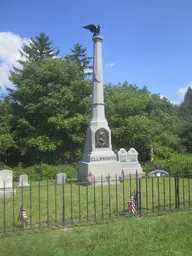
point(149, 236)
point(53, 205)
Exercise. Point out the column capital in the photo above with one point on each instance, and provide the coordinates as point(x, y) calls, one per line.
point(97, 38)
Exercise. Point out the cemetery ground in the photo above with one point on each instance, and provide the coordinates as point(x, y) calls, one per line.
point(150, 236)
point(50, 205)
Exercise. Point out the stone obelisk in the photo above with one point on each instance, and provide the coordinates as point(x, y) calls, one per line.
point(98, 158)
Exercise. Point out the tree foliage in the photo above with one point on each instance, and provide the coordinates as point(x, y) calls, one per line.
point(49, 107)
point(79, 57)
point(44, 119)
point(37, 49)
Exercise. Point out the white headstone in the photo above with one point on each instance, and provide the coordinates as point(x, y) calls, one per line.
point(122, 155)
point(6, 177)
point(6, 184)
point(61, 178)
point(133, 155)
point(23, 181)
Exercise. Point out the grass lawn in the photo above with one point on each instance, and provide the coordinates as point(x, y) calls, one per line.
point(51, 205)
point(150, 236)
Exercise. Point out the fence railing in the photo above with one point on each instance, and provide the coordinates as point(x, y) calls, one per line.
point(47, 204)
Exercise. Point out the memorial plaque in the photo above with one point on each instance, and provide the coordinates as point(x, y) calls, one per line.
point(102, 138)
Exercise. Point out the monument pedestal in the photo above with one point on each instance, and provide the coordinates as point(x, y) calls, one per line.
point(100, 171)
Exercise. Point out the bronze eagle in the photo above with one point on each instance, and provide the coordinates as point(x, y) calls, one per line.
point(93, 28)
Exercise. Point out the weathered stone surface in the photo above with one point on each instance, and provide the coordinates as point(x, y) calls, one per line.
point(6, 184)
point(61, 178)
point(23, 181)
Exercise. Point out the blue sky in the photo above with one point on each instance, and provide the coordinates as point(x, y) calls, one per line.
point(148, 42)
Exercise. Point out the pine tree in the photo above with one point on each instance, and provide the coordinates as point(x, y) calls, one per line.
point(188, 97)
point(39, 48)
point(79, 57)
point(186, 106)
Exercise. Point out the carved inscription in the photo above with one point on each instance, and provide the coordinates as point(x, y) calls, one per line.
point(102, 158)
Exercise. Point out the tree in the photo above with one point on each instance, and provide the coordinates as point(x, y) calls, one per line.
point(186, 134)
point(6, 139)
point(141, 120)
point(38, 48)
point(51, 107)
point(188, 97)
point(186, 105)
point(79, 57)
point(186, 117)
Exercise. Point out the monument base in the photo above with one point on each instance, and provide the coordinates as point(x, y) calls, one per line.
point(23, 186)
point(132, 175)
point(99, 170)
point(7, 192)
point(130, 170)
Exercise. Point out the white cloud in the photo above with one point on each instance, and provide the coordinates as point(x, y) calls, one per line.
point(110, 65)
point(10, 44)
point(161, 96)
point(181, 92)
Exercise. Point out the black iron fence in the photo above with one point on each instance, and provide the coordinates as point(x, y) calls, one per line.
point(47, 204)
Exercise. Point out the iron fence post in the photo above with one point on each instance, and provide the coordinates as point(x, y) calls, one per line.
point(177, 203)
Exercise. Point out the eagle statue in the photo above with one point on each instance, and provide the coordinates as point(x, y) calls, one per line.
point(94, 29)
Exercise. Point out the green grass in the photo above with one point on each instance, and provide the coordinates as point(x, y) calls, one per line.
point(152, 236)
point(49, 205)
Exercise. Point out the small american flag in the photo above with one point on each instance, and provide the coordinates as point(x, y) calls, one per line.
point(23, 216)
point(91, 178)
point(132, 205)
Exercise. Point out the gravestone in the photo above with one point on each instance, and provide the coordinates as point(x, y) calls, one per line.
point(122, 155)
point(129, 163)
point(132, 156)
point(157, 173)
point(6, 184)
point(23, 181)
point(61, 178)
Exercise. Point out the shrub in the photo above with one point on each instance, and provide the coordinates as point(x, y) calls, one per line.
point(181, 163)
point(45, 171)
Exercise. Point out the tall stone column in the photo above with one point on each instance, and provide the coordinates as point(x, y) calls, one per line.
point(98, 157)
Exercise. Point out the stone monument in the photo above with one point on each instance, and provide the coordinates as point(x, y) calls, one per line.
point(129, 163)
point(23, 181)
point(61, 178)
point(98, 158)
point(6, 184)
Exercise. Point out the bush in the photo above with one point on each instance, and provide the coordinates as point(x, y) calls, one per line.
point(181, 163)
point(45, 171)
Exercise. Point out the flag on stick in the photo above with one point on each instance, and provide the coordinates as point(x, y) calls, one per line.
point(23, 216)
point(132, 205)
